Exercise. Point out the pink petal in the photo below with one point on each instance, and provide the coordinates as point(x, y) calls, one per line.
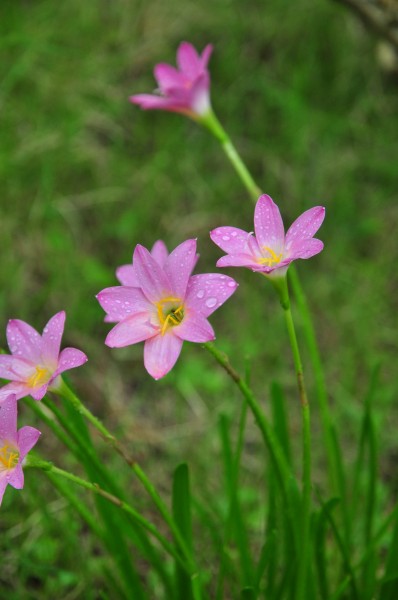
point(70, 358)
point(200, 97)
point(3, 484)
point(188, 60)
point(159, 252)
point(268, 224)
point(179, 267)
point(305, 226)
point(153, 281)
point(151, 102)
point(15, 387)
point(120, 302)
point(39, 393)
point(230, 239)
point(168, 77)
point(16, 477)
point(127, 276)
point(24, 341)
point(132, 330)
point(208, 292)
point(14, 368)
point(195, 328)
point(238, 260)
point(206, 55)
point(27, 437)
point(161, 354)
point(306, 248)
point(8, 418)
point(51, 339)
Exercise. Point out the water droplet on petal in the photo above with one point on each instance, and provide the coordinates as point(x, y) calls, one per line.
point(231, 284)
point(211, 302)
point(225, 238)
point(200, 294)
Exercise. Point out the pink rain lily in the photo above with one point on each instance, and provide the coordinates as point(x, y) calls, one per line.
point(270, 251)
point(14, 445)
point(36, 362)
point(170, 306)
point(184, 90)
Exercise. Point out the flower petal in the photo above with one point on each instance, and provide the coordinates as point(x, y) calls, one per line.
point(70, 358)
point(14, 368)
point(159, 252)
point(230, 239)
point(16, 478)
point(153, 281)
point(51, 339)
point(238, 260)
point(27, 438)
point(188, 60)
point(161, 354)
point(132, 330)
point(168, 77)
point(179, 266)
point(152, 102)
point(8, 418)
point(15, 387)
point(23, 340)
point(206, 55)
point(268, 224)
point(3, 484)
point(127, 276)
point(120, 302)
point(195, 328)
point(209, 291)
point(305, 248)
point(39, 393)
point(305, 226)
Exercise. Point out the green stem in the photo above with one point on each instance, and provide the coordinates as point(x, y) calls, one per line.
point(64, 390)
point(269, 437)
point(213, 124)
point(52, 470)
point(281, 286)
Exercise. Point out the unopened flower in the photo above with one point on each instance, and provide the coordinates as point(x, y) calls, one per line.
point(184, 90)
point(36, 361)
point(270, 251)
point(14, 445)
point(170, 306)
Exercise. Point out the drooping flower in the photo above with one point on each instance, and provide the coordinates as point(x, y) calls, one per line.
point(170, 306)
point(270, 251)
point(14, 445)
point(36, 362)
point(184, 90)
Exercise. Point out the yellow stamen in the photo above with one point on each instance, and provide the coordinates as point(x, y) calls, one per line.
point(168, 315)
point(274, 259)
point(9, 457)
point(40, 377)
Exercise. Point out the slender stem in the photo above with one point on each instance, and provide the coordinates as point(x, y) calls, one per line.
point(270, 439)
point(213, 124)
point(281, 286)
point(64, 390)
point(52, 470)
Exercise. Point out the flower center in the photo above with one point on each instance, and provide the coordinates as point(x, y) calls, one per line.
point(170, 313)
point(39, 377)
point(9, 457)
point(272, 259)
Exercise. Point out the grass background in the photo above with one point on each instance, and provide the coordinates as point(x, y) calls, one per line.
point(85, 176)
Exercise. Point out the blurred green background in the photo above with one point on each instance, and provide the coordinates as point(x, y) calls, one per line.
point(86, 175)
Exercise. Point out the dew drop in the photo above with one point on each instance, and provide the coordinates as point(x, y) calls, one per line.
point(234, 234)
point(211, 302)
point(200, 294)
point(225, 238)
point(231, 284)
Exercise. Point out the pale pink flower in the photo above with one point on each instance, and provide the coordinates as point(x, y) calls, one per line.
point(269, 251)
point(170, 306)
point(36, 362)
point(14, 445)
point(184, 90)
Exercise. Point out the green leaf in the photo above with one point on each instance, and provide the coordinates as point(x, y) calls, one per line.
point(182, 515)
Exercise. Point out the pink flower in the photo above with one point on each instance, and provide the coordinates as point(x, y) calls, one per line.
point(184, 90)
point(270, 252)
point(14, 445)
point(36, 362)
point(169, 307)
